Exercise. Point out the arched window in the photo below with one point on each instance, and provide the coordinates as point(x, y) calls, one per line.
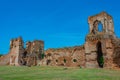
point(100, 27)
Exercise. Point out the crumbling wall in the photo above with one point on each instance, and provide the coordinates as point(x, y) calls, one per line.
point(73, 56)
point(5, 60)
point(101, 49)
point(116, 55)
point(34, 51)
point(20, 56)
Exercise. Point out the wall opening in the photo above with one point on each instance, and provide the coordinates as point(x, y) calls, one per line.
point(74, 60)
point(56, 60)
point(24, 63)
point(100, 27)
point(100, 58)
point(65, 60)
point(24, 54)
point(97, 27)
point(48, 62)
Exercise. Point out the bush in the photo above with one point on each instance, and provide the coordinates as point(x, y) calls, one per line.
point(1, 55)
point(42, 55)
point(101, 61)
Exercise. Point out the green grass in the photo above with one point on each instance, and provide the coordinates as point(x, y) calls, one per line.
point(56, 73)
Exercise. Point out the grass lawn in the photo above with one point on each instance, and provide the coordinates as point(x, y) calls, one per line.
point(56, 73)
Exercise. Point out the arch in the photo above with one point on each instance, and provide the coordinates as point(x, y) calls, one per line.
point(105, 19)
point(100, 58)
point(97, 27)
point(100, 27)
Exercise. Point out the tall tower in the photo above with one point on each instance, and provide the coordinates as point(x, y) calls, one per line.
point(98, 46)
point(16, 48)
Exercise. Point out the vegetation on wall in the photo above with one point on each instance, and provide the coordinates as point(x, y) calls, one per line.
point(101, 60)
point(1, 55)
point(42, 55)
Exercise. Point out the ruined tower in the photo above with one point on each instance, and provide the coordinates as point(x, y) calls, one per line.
point(35, 52)
point(16, 48)
point(101, 49)
point(98, 46)
point(31, 55)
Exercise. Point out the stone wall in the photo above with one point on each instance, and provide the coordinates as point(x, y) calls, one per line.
point(101, 49)
point(20, 56)
point(99, 44)
point(33, 53)
point(69, 56)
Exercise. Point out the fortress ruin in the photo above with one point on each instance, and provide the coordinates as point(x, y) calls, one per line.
point(101, 49)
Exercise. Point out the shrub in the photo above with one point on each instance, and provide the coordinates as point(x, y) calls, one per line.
point(42, 55)
point(101, 60)
point(1, 55)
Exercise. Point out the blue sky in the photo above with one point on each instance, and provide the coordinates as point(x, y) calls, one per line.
point(59, 23)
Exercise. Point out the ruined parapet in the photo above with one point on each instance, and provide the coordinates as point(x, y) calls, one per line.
point(98, 46)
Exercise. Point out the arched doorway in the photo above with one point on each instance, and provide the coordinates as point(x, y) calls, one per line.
point(100, 58)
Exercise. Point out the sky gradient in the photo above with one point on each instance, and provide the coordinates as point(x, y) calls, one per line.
point(59, 23)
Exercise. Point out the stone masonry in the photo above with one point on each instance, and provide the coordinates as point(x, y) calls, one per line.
point(101, 49)
point(20, 56)
point(99, 44)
